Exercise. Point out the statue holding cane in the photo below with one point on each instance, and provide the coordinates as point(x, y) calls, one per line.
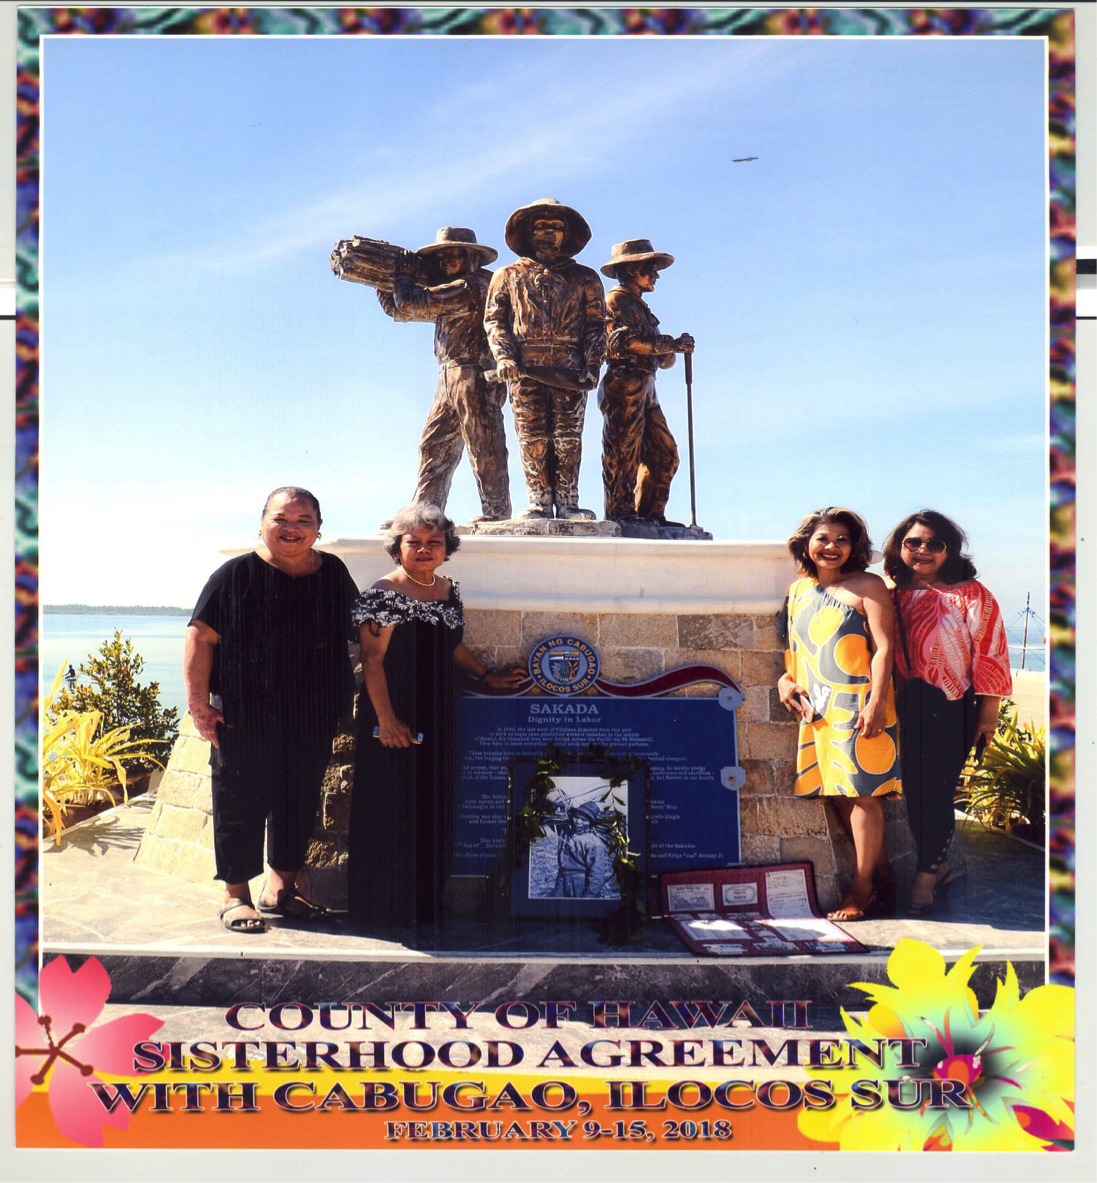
point(639, 455)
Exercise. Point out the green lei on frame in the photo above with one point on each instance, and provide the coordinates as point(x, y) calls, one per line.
point(622, 925)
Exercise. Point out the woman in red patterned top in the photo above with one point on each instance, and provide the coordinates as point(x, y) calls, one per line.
point(952, 664)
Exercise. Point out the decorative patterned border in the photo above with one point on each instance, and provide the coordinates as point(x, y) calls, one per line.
point(1057, 25)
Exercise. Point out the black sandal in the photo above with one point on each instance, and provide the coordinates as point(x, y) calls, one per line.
point(918, 911)
point(306, 913)
point(255, 924)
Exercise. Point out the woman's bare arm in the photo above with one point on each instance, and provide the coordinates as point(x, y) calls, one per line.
point(987, 706)
point(391, 731)
point(794, 697)
point(880, 618)
point(465, 661)
point(198, 645)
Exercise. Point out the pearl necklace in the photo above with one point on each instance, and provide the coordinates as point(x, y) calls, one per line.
point(433, 578)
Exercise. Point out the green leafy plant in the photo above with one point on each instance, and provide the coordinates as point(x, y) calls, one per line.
point(116, 693)
point(623, 924)
point(1007, 708)
point(1007, 789)
point(81, 763)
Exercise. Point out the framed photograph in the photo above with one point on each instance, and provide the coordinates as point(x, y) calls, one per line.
point(568, 870)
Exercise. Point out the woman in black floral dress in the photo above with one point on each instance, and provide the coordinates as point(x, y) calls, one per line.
point(401, 824)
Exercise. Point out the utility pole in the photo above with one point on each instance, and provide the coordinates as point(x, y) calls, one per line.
point(1024, 638)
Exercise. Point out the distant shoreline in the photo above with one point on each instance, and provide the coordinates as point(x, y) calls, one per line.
point(112, 610)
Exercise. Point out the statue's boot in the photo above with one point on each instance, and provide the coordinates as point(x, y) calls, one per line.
point(540, 506)
point(660, 520)
point(565, 498)
point(489, 516)
point(572, 513)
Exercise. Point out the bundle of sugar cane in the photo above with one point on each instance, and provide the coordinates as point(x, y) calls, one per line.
point(371, 261)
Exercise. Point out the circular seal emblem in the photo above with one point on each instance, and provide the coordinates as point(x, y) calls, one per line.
point(563, 665)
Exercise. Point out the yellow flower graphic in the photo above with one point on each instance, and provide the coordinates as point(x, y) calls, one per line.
point(1016, 1062)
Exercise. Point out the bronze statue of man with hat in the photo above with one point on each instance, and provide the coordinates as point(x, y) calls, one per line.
point(468, 409)
point(545, 321)
point(639, 456)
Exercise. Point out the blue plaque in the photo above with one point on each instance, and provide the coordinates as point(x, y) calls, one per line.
point(689, 742)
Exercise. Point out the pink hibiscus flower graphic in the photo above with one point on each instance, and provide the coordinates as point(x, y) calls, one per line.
point(57, 1047)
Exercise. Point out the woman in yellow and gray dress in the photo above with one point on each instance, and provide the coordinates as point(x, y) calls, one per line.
point(837, 682)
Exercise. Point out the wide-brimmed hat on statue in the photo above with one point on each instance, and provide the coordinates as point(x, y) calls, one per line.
point(634, 250)
point(520, 223)
point(450, 236)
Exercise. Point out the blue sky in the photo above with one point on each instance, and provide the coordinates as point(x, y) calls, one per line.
point(867, 296)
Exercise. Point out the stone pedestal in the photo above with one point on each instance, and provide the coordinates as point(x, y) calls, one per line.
point(665, 533)
point(597, 528)
point(646, 606)
point(543, 528)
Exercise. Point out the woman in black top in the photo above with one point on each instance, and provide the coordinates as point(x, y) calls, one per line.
point(410, 625)
point(268, 675)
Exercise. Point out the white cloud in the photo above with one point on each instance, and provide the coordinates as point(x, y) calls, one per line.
point(556, 130)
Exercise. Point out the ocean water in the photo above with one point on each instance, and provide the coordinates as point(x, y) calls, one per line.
point(159, 640)
point(1035, 657)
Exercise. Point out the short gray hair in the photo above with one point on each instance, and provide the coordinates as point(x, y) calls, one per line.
point(421, 513)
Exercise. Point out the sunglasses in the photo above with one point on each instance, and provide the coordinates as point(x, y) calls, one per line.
point(935, 546)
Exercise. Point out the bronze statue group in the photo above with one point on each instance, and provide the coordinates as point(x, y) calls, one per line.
point(542, 327)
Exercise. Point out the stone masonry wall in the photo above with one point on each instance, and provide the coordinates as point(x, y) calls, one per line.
point(179, 836)
point(775, 826)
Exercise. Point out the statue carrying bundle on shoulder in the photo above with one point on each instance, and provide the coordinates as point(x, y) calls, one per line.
point(374, 262)
point(445, 282)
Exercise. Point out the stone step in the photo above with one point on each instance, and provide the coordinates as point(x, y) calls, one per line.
point(159, 938)
point(211, 977)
